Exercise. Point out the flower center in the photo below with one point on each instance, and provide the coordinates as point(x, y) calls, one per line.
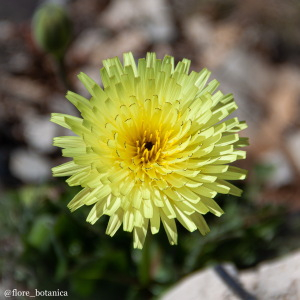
point(149, 145)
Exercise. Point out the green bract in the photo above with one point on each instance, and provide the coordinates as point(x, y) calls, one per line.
point(52, 29)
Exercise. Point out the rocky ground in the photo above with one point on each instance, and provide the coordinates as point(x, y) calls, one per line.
point(275, 280)
point(251, 47)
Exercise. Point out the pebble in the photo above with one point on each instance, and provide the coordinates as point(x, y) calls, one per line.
point(152, 17)
point(29, 166)
point(39, 133)
point(282, 173)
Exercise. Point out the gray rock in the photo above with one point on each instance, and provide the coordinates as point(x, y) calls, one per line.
point(202, 285)
point(150, 16)
point(19, 62)
point(6, 31)
point(278, 279)
point(88, 41)
point(30, 167)
point(275, 280)
point(282, 173)
point(39, 132)
point(246, 72)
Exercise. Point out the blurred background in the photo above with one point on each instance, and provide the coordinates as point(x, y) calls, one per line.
point(252, 47)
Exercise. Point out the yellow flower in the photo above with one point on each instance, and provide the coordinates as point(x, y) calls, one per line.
point(150, 146)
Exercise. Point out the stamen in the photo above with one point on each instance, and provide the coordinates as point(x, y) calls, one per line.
point(150, 145)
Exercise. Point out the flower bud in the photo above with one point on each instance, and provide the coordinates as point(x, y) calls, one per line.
point(51, 28)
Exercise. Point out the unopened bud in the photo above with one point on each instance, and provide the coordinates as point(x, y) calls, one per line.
point(52, 29)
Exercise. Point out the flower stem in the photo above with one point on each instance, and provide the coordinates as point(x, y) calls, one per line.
point(145, 264)
point(61, 67)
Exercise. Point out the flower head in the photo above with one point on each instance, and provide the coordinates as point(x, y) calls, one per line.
point(151, 146)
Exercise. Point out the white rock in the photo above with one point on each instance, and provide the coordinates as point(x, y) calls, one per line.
point(29, 166)
point(152, 16)
point(202, 285)
point(280, 279)
point(39, 133)
point(275, 280)
point(282, 173)
point(249, 280)
point(159, 24)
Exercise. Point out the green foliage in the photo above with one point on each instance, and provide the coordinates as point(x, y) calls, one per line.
point(45, 240)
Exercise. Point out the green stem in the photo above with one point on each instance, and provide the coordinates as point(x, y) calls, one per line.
point(145, 264)
point(62, 71)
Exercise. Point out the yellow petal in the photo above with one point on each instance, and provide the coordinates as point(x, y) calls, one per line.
point(115, 222)
point(139, 235)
